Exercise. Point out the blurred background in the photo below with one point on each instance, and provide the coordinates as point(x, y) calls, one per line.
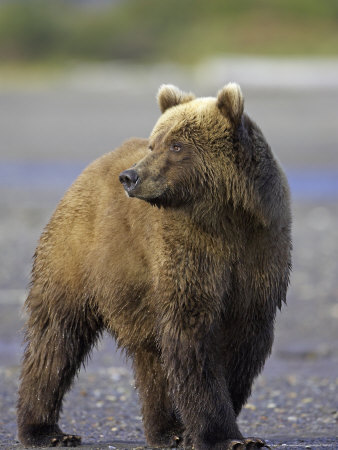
point(78, 77)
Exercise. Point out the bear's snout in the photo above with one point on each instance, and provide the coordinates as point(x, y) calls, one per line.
point(129, 178)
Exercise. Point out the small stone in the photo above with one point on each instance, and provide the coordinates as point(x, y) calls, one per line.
point(250, 406)
point(292, 380)
point(292, 419)
point(96, 393)
point(275, 393)
point(292, 395)
point(325, 420)
point(115, 376)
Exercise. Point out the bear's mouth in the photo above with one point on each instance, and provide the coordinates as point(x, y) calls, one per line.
point(161, 200)
point(154, 201)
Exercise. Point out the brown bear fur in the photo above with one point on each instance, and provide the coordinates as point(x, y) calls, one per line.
point(189, 288)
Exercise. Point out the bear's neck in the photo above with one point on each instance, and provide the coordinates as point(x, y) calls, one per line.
point(207, 220)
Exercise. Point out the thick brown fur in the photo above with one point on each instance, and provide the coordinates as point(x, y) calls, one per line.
point(187, 275)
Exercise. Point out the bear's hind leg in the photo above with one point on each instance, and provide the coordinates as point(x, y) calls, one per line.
point(162, 426)
point(59, 336)
point(245, 364)
point(248, 360)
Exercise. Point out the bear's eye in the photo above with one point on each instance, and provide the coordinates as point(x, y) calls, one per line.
point(151, 148)
point(175, 147)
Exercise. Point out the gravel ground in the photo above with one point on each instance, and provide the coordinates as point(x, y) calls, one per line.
point(294, 401)
point(294, 404)
point(102, 407)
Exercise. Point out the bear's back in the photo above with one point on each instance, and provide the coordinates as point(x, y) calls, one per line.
point(95, 223)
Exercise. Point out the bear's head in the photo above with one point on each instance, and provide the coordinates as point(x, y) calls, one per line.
point(202, 151)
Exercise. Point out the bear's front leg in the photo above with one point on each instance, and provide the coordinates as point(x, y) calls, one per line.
point(196, 378)
point(161, 424)
point(58, 338)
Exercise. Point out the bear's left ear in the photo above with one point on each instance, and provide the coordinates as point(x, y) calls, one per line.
point(169, 96)
point(230, 102)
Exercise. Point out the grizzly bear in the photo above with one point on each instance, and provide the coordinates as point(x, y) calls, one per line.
point(186, 272)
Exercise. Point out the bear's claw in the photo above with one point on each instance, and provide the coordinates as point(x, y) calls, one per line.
point(67, 440)
point(246, 444)
point(235, 444)
point(254, 443)
point(177, 440)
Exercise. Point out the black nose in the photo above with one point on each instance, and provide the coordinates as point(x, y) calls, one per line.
point(129, 179)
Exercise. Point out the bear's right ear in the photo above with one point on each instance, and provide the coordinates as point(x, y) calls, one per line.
point(169, 96)
point(230, 102)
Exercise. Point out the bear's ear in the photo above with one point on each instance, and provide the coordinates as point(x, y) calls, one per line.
point(230, 102)
point(169, 96)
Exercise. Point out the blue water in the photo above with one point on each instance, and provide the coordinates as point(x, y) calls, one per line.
point(313, 184)
point(304, 183)
point(39, 175)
